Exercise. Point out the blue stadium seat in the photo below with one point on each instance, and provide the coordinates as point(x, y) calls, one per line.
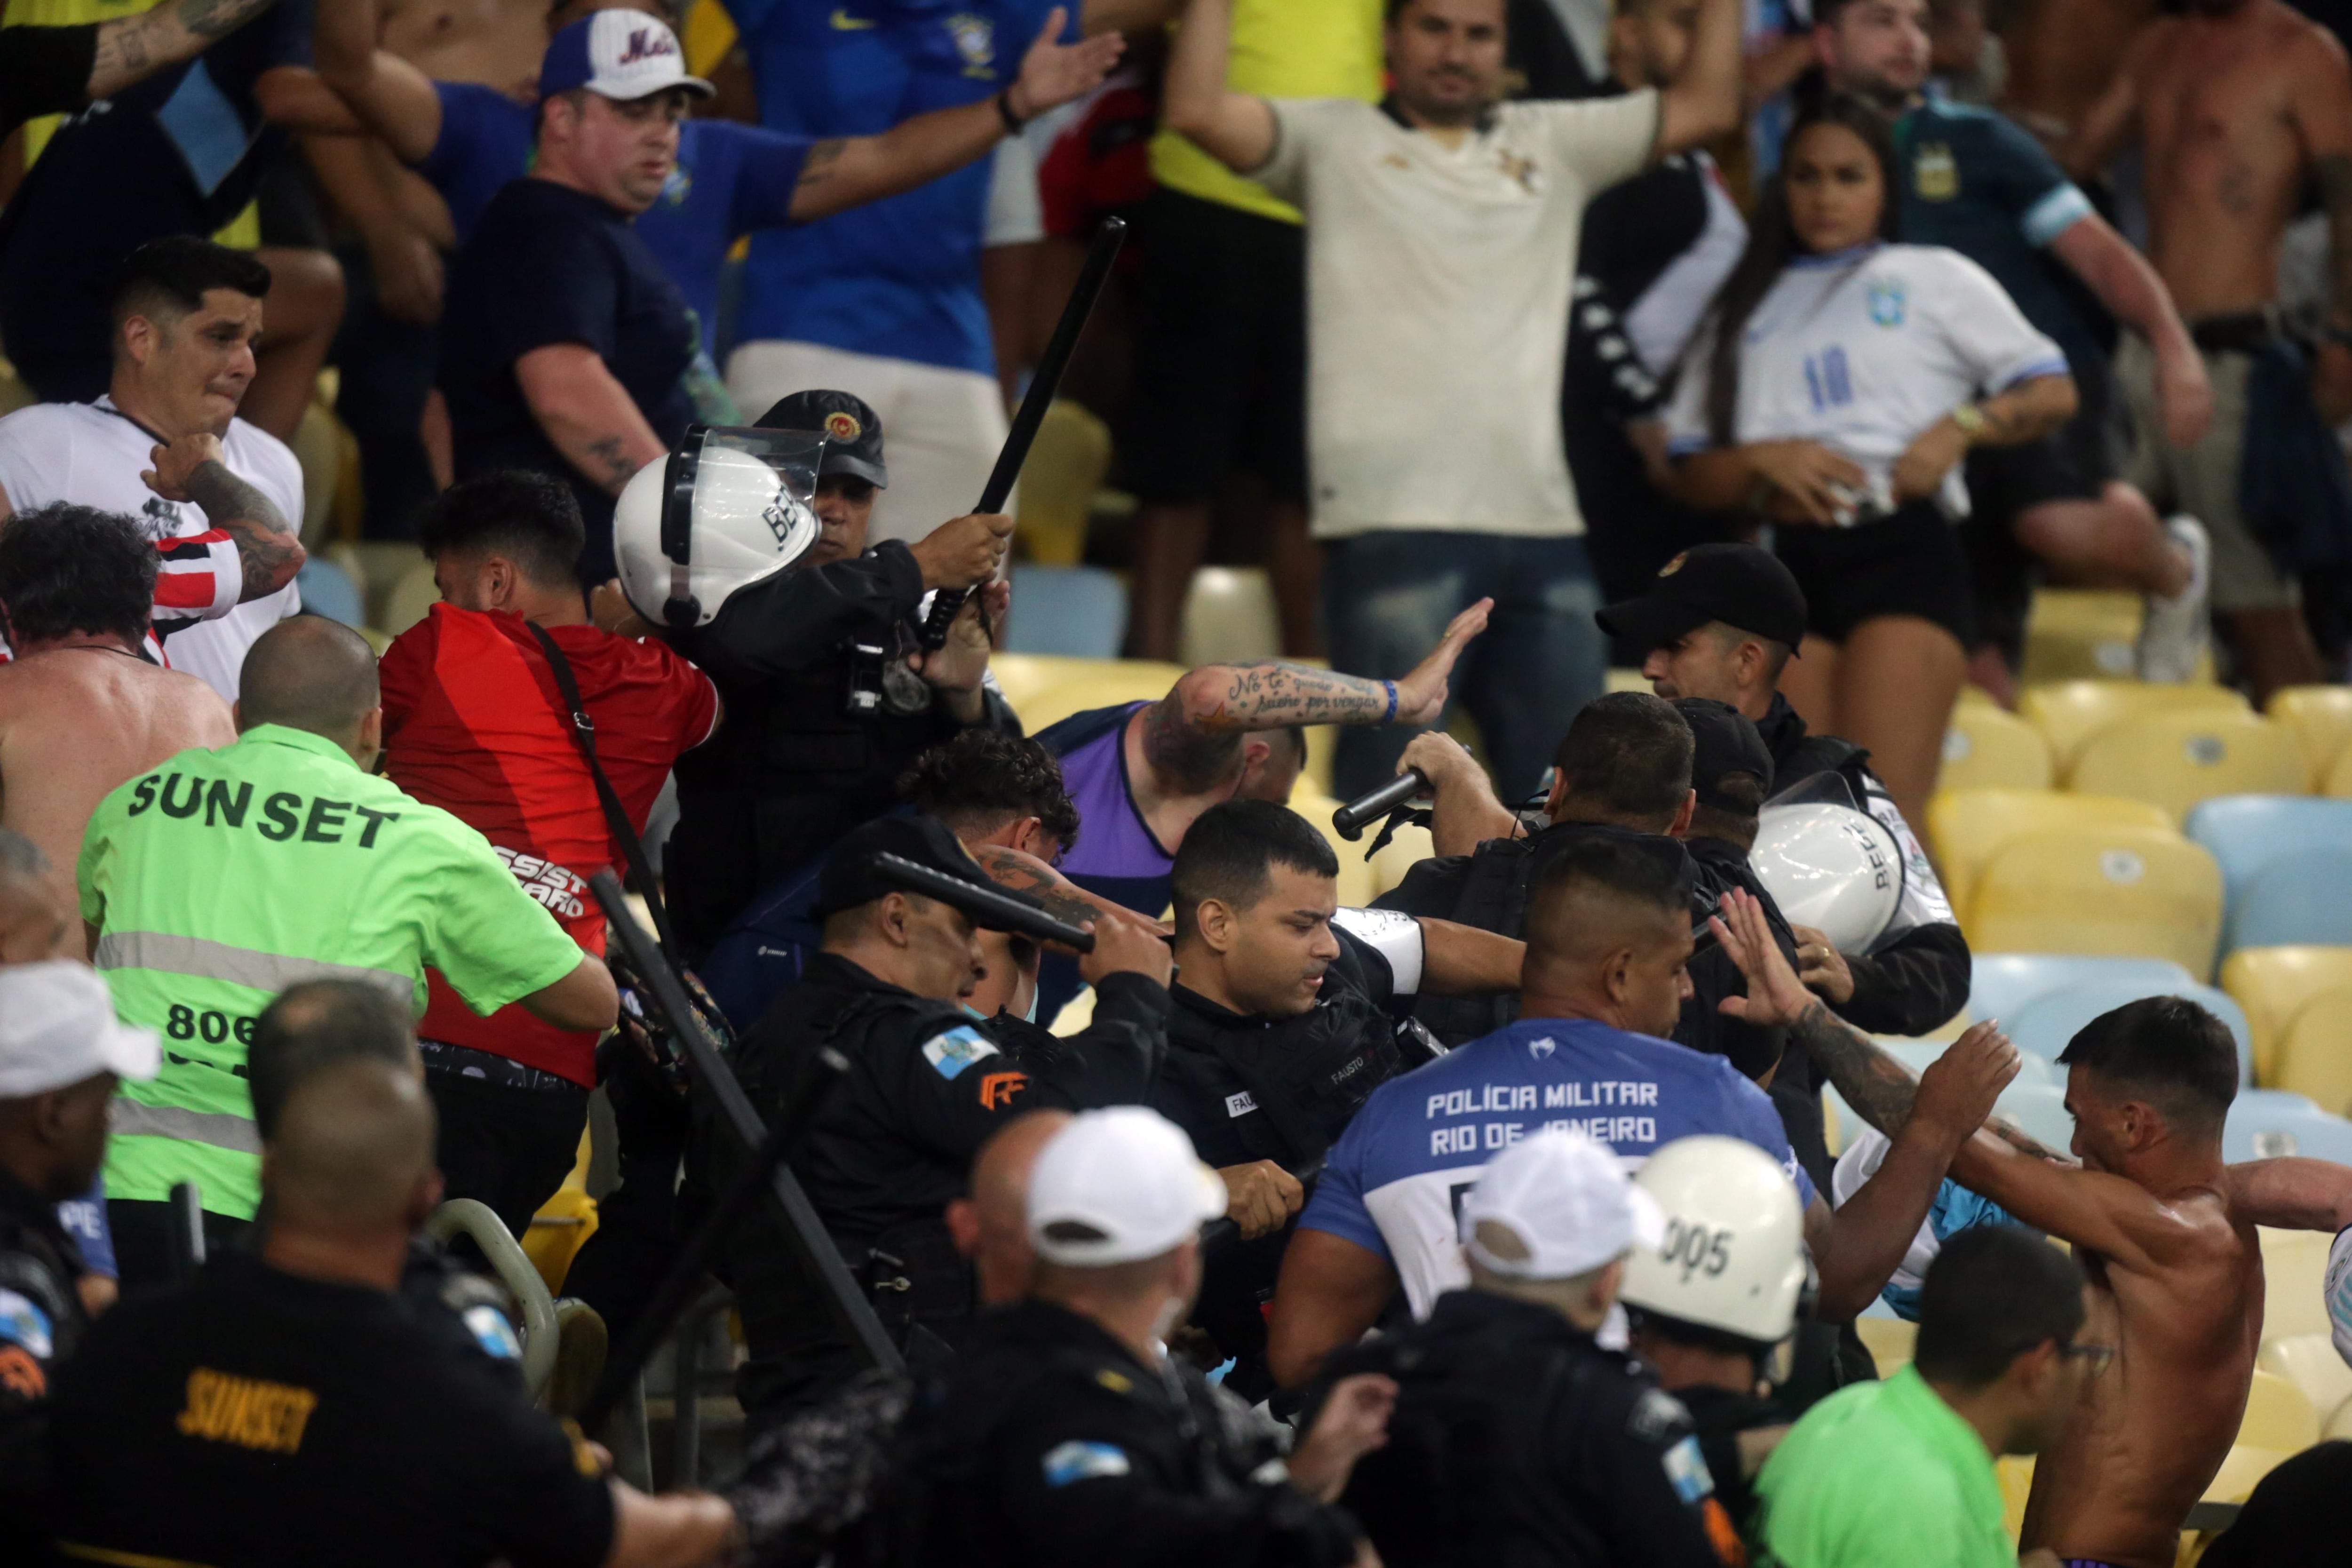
point(2044, 1026)
point(1079, 612)
point(1916, 1054)
point(328, 590)
point(2266, 1123)
point(2247, 832)
point(2003, 984)
point(2304, 899)
point(2040, 1108)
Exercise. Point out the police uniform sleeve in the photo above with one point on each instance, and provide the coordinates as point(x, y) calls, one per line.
point(1116, 1059)
point(1636, 1459)
point(1432, 890)
point(540, 1498)
point(796, 619)
point(493, 942)
point(1094, 1475)
point(959, 1084)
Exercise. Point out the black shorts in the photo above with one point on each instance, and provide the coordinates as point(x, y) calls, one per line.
point(1220, 379)
point(1910, 563)
point(2075, 462)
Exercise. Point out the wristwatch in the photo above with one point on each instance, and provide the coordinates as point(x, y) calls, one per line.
point(1971, 420)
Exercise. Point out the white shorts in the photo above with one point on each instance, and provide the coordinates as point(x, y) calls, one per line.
point(940, 428)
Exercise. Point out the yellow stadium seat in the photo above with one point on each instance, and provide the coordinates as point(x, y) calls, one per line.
point(1102, 683)
point(1356, 889)
point(2339, 1425)
point(2314, 1055)
point(1229, 618)
point(2180, 758)
point(1023, 677)
point(1620, 679)
point(2321, 718)
point(709, 36)
point(1076, 1015)
point(410, 599)
point(2310, 1363)
point(2076, 634)
point(2242, 1470)
point(2339, 776)
point(2279, 1415)
point(2071, 711)
point(1058, 482)
point(1889, 1341)
point(2128, 891)
point(2272, 984)
point(1322, 755)
point(2015, 1472)
point(1985, 748)
point(2294, 1277)
point(562, 1224)
point(1410, 845)
point(1975, 696)
point(1967, 825)
point(319, 450)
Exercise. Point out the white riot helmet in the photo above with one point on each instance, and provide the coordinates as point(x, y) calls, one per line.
point(728, 509)
point(1734, 1256)
point(1832, 867)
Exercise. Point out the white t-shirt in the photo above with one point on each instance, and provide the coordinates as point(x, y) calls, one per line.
point(1437, 295)
point(1864, 350)
point(91, 453)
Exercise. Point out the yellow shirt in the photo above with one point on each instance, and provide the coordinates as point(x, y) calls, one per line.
point(1279, 48)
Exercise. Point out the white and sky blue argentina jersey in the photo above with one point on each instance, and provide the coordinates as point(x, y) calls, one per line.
point(1863, 351)
point(1394, 1183)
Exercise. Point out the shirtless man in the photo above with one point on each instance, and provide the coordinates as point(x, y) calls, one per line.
point(2238, 106)
point(80, 710)
point(33, 924)
point(2062, 55)
point(2165, 1232)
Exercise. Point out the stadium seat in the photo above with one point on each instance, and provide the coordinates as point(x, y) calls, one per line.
point(1078, 611)
point(1620, 679)
point(2181, 758)
point(1986, 748)
point(2339, 776)
point(2272, 984)
point(328, 590)
point(2242, 1470)
point(562, 1224)
point(2117, 891)
point(2279, 1416)
point(2039, 1110)
point(1966, 825)
point(2310, 1363)
point(320, 453)
point(2071, 712)
point(411, 596)
point(2081, 634)
point(2015, 1472)
point(2003, 984)
point(1021, 676)
point(2045, 1024)
point(1055, 501)
point(1095, 683)
point(2271, 1123)
point(1889, 1340)
point(2248, 833)
point(1410, 845)
point(2302, 900)
point(2321, 718)
point(1356, 880)
point(2295, 1281)
point(1918, 1055)
point(1229, 615)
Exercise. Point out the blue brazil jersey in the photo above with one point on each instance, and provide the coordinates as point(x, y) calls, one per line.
point(1394, 1183)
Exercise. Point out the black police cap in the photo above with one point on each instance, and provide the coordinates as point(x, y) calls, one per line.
point(1738, 585)
point(1724, 742)
point(852, 431)
point(850, 878)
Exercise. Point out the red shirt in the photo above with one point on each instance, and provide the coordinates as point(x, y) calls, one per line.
point(473, 723)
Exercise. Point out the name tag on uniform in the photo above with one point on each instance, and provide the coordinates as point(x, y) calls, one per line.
point(957, 1049)
point(1240, 1104)
point(1077, 1461)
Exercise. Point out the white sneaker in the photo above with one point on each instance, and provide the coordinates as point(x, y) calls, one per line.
point(2173, 637)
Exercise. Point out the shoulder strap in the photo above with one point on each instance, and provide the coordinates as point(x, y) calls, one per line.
point(616, 815)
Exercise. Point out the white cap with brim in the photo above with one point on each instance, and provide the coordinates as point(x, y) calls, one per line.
point(1118, 1186)
point(58, 1027)
point(617, 54)
point(1566, 1200)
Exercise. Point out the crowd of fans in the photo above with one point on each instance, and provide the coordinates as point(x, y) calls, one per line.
point(1496, 1221)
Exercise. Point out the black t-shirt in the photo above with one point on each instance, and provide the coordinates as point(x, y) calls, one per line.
point(2294, 1518)
point(546, 264)
point(180, 153)
point(45, 70)
point(257, 1418)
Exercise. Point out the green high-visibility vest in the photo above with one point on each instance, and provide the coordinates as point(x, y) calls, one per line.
point(222, 876)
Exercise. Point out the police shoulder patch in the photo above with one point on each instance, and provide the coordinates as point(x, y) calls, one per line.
point(957, 1049)
point(1686, 1471)
point(1077, 1461)
point(492, 1332)
point(1117, 1382)
point(23, 1323)
point(1658, 1416)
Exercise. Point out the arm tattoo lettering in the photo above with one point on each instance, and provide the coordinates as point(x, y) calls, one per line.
point(1198, 748)
point(269, 551)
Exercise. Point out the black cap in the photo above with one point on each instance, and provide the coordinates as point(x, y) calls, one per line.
point(852, 431)
point(850, 879)
point(1738, 585)
point(1724, 741)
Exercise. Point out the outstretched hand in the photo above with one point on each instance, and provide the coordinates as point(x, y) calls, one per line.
point(1053, 74)
point(1421, 695)
point(1957, 1090)
point(1776, 998)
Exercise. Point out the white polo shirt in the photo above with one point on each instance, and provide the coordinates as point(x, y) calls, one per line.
point(1437, 296)
point(91, 453)
point(1864, 350)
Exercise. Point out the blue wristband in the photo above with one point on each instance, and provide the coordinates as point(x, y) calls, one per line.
point(1390, 717)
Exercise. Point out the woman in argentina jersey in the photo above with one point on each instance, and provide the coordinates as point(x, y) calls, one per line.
point(1840, 382)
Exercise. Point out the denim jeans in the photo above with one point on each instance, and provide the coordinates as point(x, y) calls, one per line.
point(1386, 600)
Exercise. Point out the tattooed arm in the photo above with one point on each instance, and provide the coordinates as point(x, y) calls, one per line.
point(132, 49)
point(268, 548)
point(1193, 736)
point(587, 414)
point(1061, 898)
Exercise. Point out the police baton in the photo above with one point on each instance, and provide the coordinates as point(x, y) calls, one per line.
point(987, 906)
point(185, 1220)
point(1351, 818)
point(788, 1204)
point(1043, 383)
point(1221, 1230)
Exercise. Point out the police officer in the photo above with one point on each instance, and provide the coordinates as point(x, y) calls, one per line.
point(828, 699)
point(214, 880)
point(1712, 1300)
point(1723, 621)
point(928, 1084)
point(1282, 1025)
point(1516, 1437)
point(1066, 1433)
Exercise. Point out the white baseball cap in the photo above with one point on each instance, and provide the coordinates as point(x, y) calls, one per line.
point(621, 54)
point(58, 1027)
point(1129, 1180)
point(1566, 1200)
